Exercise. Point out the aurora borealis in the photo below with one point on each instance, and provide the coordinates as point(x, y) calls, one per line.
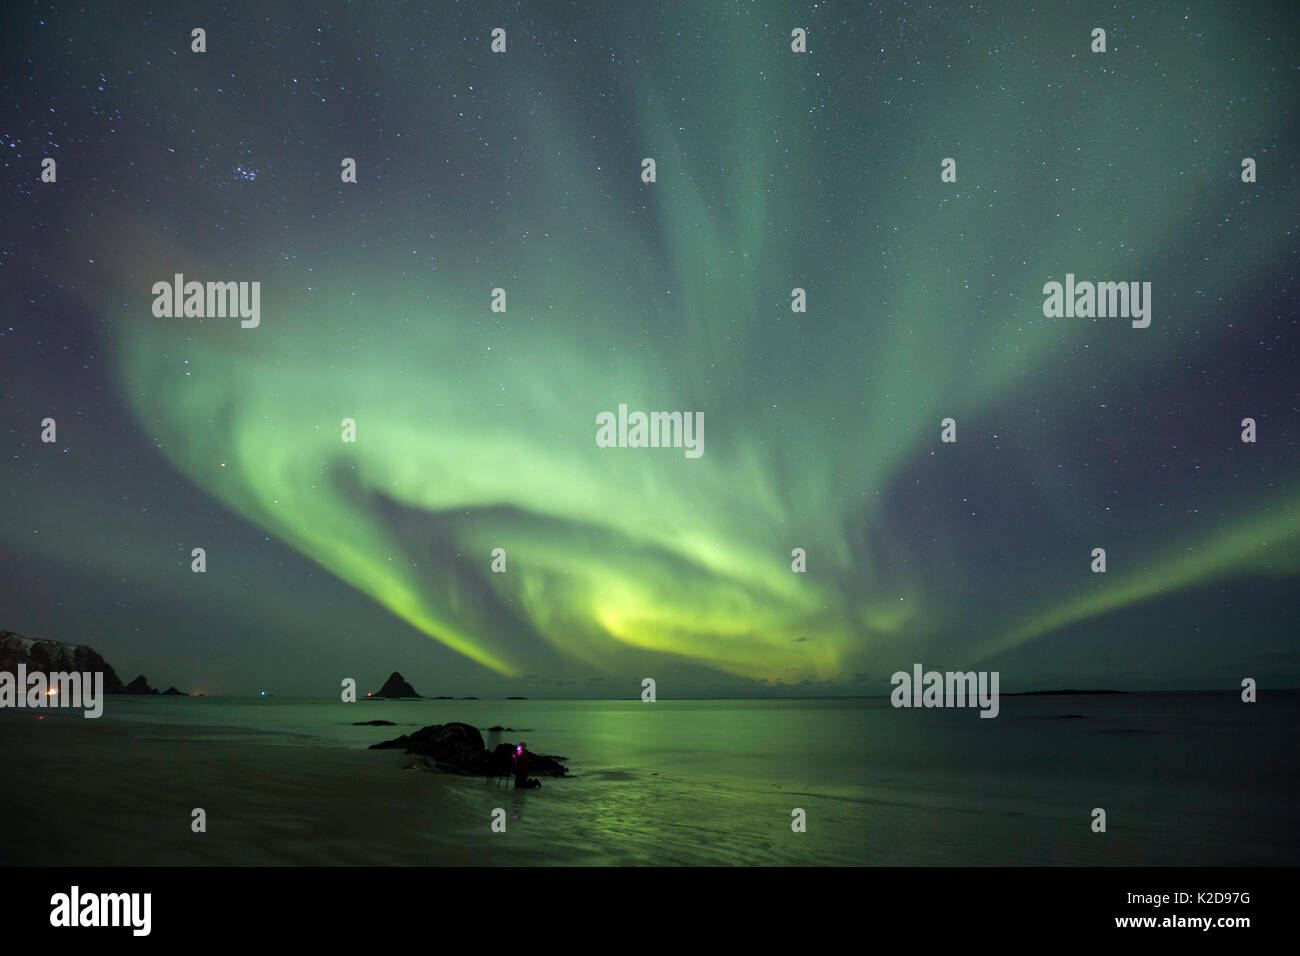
point(476, 429)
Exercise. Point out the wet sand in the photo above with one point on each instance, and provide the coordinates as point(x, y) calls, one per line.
point(80, 792)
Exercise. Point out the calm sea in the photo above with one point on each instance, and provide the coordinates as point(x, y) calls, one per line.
point(1188, 779)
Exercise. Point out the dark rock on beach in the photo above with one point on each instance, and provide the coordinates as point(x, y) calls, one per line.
point(458, 748)
point(373, 723)
point(396, 686)
point(539, 765)
point(455, 747)
point(173, 692)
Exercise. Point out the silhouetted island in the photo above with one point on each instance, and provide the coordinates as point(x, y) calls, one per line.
point(396, 686)
point(139, 686)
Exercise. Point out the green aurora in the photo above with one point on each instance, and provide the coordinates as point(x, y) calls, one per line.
point(476, 430)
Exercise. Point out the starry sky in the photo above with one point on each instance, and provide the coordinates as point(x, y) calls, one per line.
point(476, 429)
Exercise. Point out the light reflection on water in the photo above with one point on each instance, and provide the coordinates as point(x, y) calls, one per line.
point(1186, 778)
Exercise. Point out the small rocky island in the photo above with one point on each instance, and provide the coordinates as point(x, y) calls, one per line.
point(458, 748)
point(396, 686)
point(139, 686)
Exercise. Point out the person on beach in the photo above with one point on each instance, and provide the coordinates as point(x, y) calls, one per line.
point(521, 769)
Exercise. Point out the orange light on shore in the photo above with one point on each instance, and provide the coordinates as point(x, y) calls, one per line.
point(51, 692)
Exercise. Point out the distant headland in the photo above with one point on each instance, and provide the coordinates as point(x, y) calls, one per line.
point(55, 656)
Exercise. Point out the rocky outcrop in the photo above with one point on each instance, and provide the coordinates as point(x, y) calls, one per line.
point(458, 748)
point(139, 686)
point(53, 656)
point(539, 765)
point(454, 747)
point(396, 686)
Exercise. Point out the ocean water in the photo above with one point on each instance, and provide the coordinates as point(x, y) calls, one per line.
point(1184, 778)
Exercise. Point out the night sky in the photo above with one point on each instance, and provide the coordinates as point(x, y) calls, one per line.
point(476, 429)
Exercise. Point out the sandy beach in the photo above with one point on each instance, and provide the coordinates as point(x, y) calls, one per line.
point(1185, 779)
point(108, 793)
